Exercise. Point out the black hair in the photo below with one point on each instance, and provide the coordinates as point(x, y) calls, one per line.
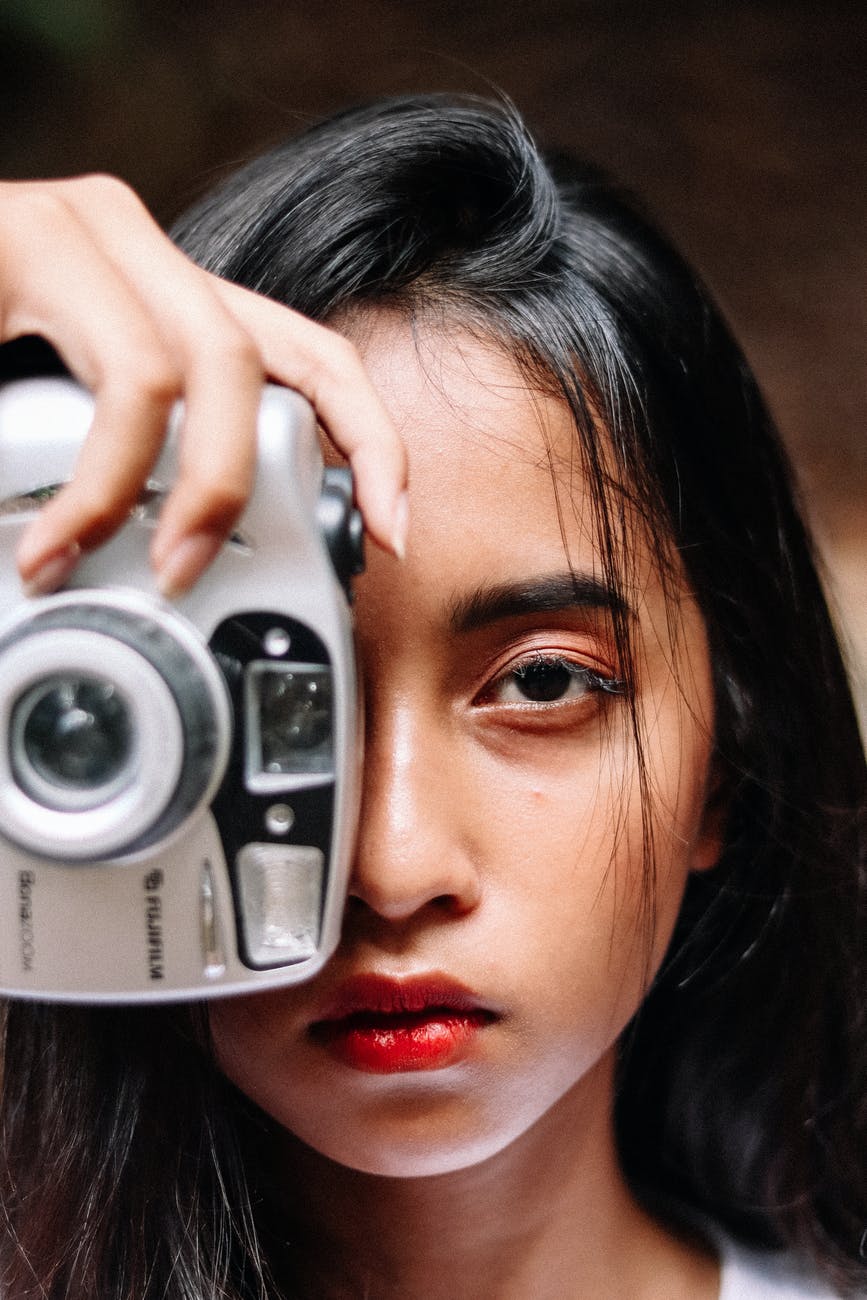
point(741, 1084)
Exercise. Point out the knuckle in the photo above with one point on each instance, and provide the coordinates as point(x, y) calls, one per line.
point(101, 508)
point(332, 363)
point(345, 357)
point(147, 380)
point(37, 206)
point(233, 354)
point(52, 205)
point(158, 380)
point(102, 189)
point(219, 496)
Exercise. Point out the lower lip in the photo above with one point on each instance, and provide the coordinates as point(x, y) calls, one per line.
point(399, 1044)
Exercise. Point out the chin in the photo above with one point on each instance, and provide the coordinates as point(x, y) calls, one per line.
point(419, 1140)
point(413, 1160)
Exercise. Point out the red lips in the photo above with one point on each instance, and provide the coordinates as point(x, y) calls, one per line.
point(386, 1026)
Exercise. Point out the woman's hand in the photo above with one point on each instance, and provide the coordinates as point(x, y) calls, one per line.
point(83, 264)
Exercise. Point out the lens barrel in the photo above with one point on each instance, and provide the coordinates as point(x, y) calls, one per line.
point(102, 762)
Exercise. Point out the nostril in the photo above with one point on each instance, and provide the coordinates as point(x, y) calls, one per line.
point(453, 904)
point(366, 906)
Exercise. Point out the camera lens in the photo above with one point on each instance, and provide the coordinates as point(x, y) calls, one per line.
point(71, 734)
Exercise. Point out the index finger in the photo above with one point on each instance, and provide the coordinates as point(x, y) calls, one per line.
point(326, 368)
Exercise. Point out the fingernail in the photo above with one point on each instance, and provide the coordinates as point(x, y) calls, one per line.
point(401, 526)
point(53, 572)
point(186, 562)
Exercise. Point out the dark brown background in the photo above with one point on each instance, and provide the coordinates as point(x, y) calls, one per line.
point(743, 123)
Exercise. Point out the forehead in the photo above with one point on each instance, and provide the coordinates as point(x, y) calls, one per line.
point(496, 465)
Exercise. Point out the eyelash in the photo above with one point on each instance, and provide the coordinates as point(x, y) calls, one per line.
point(591, 682)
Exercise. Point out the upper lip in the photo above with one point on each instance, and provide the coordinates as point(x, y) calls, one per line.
point(384, 995)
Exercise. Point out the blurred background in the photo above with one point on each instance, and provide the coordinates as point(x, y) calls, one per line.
point(742, 122)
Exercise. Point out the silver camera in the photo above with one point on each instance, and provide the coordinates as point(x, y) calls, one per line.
point(178, 782)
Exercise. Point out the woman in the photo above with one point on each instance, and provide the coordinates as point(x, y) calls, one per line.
point(596, 1015)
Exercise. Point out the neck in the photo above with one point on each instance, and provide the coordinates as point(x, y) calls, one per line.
point(550, 1216)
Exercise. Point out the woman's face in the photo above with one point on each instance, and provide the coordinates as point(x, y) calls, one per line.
point(497, 938)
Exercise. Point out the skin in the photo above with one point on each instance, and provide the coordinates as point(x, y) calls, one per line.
point(487, 852)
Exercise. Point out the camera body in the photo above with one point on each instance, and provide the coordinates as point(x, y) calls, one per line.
point(178, 781)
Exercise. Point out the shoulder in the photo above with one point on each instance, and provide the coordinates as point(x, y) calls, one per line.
point(762, 1275)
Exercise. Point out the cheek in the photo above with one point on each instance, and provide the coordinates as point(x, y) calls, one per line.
point(254, 1036)
point(591, 904)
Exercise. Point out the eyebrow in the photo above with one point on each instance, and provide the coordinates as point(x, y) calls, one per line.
point(544, 595)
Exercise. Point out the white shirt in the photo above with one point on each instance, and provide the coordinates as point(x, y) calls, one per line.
point(761, 1275)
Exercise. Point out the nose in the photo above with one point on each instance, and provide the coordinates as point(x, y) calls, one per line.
point(411, 853)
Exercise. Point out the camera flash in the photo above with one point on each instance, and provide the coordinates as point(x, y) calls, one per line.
point(281, 887)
